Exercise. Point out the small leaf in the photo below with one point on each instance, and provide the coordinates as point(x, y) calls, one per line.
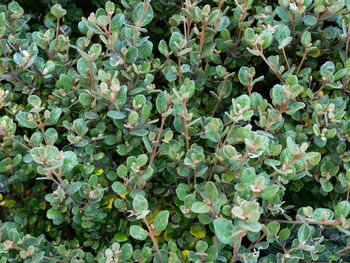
point(146, 15)
point(200, 207)
point(305, 38)
point(224, 230)
point(51, 135)
point(22, 118)
point(119, 188)
point(161, 221)
point(116, 115)
point(342, 209)
point(117, 21)
point(304, 233)
point(211, 191)
point(85, 99)
point(58, 11)
point(175, 41)
point(126, 251)
point(161, 103)
point(162, 47)
point(73, 188)
point(34, 100)
point(54, 116)
point(138, 232)
point(140, 203)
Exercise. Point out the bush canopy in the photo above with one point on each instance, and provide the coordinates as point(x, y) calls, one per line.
point(175, 131)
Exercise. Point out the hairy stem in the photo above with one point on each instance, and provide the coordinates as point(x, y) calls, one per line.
point(151, 235)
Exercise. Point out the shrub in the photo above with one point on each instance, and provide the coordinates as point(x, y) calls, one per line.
point(226, 141)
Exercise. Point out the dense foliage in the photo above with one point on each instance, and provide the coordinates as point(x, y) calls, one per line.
point(164, 131)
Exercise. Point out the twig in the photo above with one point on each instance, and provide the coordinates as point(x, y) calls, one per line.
point(285, 57)
point(308, 221)
point(302, 61)
point(151, 235)
point(14, 140)
point(221, 94)
point(35, 254)
point(201, 41)
point(57, 27)
point(269, 64)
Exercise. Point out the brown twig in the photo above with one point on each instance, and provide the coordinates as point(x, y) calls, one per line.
point(221, 94)
point(4, 133)
point(35, 254)
point(302, 61)
point(151, 235)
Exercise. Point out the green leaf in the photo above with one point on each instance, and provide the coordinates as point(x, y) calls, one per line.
point(38, 258)
point(327, 67)
point(34, 100)
point(211, 191)
point(175, 41)
point(15, 8)
point(310, 20)
point(132, 54)
point(54, 116)
point(53, 213)
point(51, 135)
point(119, 188)
point(284, 3)
point(103, 20)
point(138, 232)
point(95, 50)
point(292, 147)
point(161, 103)
point(145, 50)
point(269, 192)
point(140, 203)
point(22, 118)
point(213, 16)
point(200, 207)
point(142, 160)
point(208, 50)
point(305, 38)
point(277, 94)
point(161, 221)
point(117, 21)
point(224, 230)
point(243, 75)
point(83, 66)
point(267, 37)
point(85, 99)
point(342, 209)
point(80, 127)
point(73, 188)
point(69, 161)
point(285, 42)
point(162, 47)
point(284, 234)
point(273, 228)
point(116, 115)
point(304, 233)
point(13, 235)
point(281, 33)
point(133, 117)
point(126, 251)
point(282, 14)
point(65, 82)
point(2, 19)
point(58, 11)
point(139, 132)
point(109, 6)
point(147, 15)
point(224, 23)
